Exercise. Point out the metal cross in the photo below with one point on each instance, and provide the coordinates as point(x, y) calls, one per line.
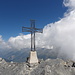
point(33, 30)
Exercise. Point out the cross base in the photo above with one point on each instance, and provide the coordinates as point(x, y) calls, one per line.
point(33, 59)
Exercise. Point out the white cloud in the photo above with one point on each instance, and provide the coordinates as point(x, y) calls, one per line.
point(19, 42)
point(70, 4)
point(3, 44)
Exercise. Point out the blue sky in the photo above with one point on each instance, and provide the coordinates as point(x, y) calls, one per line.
point(17, 13)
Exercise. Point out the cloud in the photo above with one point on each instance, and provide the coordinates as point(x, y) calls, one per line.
point(60, 35)
point(19, 42)
point(3, 44)
point(69, 3)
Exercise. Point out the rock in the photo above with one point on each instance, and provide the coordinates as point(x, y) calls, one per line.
point(53, 67)
point(47, 67)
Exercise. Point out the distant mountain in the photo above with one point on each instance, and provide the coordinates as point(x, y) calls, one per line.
point(21, 55)
point(14, 55)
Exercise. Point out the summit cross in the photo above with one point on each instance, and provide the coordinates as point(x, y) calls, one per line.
point(32, 30)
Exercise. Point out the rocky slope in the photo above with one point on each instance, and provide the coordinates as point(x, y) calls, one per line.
point(47, 67)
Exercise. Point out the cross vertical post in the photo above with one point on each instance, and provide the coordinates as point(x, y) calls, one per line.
point(32, 35)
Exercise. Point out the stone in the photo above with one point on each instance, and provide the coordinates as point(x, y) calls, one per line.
point(33, 59)
point(46, 67)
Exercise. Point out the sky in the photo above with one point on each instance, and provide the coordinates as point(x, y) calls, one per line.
point(17, 13)
point(56, 17)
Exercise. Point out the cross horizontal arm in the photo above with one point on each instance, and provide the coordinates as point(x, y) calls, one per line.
point(38, 28)
point(25, 29)
point(39, 31)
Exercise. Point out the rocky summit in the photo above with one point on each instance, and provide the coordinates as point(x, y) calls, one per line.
point(47, 67)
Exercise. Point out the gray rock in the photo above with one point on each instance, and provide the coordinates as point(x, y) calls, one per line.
point(47, 67)
point(54, 67)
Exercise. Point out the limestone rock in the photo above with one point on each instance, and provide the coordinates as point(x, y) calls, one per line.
point(47, 67)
